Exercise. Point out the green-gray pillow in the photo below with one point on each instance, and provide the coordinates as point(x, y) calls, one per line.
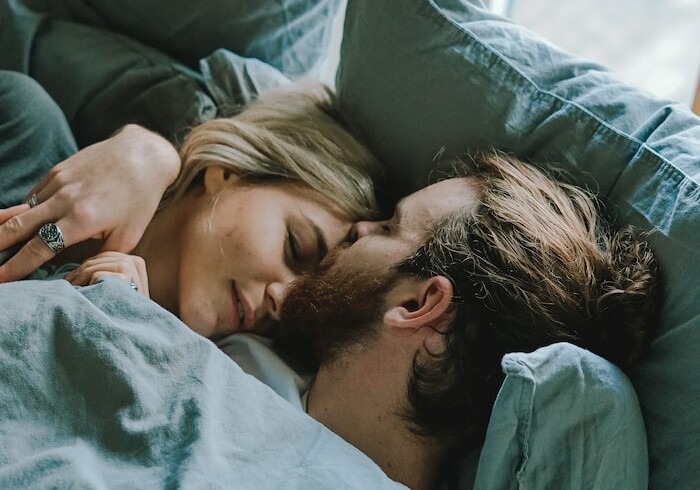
point(567, 419)
point(103, 80)
point(291, 35)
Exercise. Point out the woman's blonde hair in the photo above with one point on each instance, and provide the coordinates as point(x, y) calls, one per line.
point(290, 134)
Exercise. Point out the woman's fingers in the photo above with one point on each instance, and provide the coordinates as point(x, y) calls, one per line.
point(11, 212)
point(129, 268)
point(21, 225)
point(140, 277)
point(31, 256)
point(101, 275)
point(107, 261)
point(108, 191)
point(82, 276)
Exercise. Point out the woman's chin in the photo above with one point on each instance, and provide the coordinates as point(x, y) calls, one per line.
point(210, 329)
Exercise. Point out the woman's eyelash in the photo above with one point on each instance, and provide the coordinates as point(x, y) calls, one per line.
point(386, 228)
point(293, 246)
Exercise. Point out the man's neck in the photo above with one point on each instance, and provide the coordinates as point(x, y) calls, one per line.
point(361, 400)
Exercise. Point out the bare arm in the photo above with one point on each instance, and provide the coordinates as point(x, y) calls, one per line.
point(108, 191)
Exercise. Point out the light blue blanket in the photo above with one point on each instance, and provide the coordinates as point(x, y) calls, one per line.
point(102, 388)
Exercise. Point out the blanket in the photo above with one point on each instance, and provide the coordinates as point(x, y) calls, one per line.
point(102, 388)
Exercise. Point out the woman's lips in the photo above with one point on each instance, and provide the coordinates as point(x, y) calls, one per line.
point(246, 321)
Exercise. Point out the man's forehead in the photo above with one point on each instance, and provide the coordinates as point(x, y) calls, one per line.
point(434, 201)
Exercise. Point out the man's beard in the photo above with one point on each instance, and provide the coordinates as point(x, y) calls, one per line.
point(328, 311)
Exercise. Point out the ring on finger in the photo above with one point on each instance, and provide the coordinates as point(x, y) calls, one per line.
point(133, 285)
point(33, 201)
point(52, 236)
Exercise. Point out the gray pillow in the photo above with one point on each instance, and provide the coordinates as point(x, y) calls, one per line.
point(567, 419)
point(103, 79)
point(291, 35)
point(419, 75)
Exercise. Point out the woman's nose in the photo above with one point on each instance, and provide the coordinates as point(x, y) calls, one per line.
point(274, 297)
point(364, 228)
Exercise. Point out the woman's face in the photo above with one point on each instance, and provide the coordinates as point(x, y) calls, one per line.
point(242, 247)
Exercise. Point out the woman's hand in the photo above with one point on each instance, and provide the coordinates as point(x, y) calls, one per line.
point(129, 268)
point(108, 191)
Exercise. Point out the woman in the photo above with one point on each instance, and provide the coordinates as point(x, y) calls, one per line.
point(260, 198)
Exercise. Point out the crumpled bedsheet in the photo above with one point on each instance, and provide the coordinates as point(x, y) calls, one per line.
point(101, 388)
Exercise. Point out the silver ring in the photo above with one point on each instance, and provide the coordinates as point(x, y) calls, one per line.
point(52, 236)
point(133, 285)
point(33, 201)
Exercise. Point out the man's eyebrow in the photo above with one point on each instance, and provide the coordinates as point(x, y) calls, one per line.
point(400, 211)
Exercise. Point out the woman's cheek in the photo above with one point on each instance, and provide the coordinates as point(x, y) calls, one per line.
point(198, 313)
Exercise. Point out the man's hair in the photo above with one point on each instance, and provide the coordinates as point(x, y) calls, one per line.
point(531, 265)
point(290, 134)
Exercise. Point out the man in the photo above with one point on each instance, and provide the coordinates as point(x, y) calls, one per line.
point(409, 321)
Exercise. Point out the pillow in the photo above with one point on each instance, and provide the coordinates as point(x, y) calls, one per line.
point(420, 75)
point(564, 418)
point(291, 35)
point(33, 135)
point(103, 80)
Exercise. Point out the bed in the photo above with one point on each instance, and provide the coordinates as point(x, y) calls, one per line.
point(97, 391)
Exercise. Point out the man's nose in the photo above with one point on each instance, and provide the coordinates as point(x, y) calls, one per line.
point(274, 296)
point(364, 228)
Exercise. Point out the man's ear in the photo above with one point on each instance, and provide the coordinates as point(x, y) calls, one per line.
point(420, 303)
point(216, 179)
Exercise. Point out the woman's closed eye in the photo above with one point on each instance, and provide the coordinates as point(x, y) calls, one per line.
point(292, 247)
point(302, 253)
